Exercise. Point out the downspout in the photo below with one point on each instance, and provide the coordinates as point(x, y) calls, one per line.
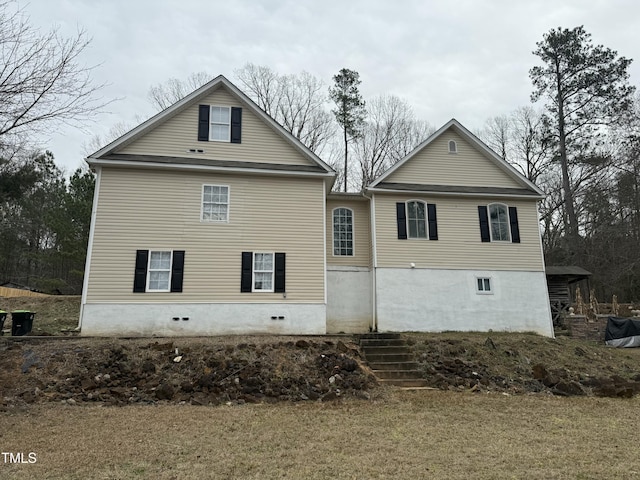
point(87, 264)
point(324, 231)
point(372, 211)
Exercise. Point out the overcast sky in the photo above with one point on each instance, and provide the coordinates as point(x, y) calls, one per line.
point(463, 59)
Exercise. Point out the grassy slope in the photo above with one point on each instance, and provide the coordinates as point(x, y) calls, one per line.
point(53, 314)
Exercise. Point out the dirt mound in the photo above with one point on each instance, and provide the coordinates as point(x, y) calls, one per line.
point(203, 371)
point(195, 371)
point(525, 363)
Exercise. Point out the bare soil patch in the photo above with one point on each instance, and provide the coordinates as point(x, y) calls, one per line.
point(518, 363)
point(198, 371)
point(265, 369)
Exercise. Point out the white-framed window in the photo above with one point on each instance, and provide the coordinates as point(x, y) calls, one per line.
point(220, 124)
point(159, 271)
point(483, 285)
point(453, 146)
point(416, 219)
point(262, 272)
point(342, 231)
point(215, 203)
point(499, 222)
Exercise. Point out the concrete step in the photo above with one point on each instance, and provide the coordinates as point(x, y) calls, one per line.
point(379, 336)
point(382, 342)
point(388, 357)
point(398, 374)
point(393, 365)
point(385, 350)
point(405, 382)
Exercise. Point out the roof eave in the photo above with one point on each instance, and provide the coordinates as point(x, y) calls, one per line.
point(328, 176)
point(456, 194)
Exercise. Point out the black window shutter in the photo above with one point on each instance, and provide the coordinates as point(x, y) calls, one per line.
point(484, 223)
point(247, 271)
point(401, 211)
point(177, 270)
point(433, 221)
point(279, 281)
point(203, 123)
point(140, 275)
point(236, 125)
point(513, 220)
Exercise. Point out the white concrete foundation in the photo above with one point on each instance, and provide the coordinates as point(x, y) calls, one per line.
point(349, 303)
point(430, 300)
point(196, 319)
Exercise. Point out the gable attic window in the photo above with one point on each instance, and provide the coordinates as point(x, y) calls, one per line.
point(453, 146)
point(219, 124)
point(215, 203)
point(220, 128)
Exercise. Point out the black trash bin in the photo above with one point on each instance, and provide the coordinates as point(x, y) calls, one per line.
point(3, 317)
point(21, 322)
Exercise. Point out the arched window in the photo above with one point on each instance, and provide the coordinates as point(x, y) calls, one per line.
point(416, 219)
point(453, 146)
point(499, 220)
point(343, 231)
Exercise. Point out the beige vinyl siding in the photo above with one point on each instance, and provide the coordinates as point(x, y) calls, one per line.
point(362, 236)
point(260, 142)
point(459, 245)
point(434, 165)
point(160, 210)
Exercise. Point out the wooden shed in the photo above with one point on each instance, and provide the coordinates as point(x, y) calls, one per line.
point(561, 283)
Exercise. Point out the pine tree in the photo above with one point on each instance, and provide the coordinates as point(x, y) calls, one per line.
point(586, 88)
point(350, 111)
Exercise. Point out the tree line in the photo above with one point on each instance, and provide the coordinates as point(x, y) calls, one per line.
point(579, 141)
point(44, 216)
point(580, 144)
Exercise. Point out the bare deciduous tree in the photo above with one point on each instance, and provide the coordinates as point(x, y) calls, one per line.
point(497, 135)
point(165, 94)
point(98, 141)
point(531, 149)
point(41, 79)
point(297, 102)
point(263, 85)
point(301, 112)
point(390, 132)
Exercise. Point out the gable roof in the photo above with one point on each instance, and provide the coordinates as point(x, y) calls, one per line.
point(529, 189)
point(107, 152)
